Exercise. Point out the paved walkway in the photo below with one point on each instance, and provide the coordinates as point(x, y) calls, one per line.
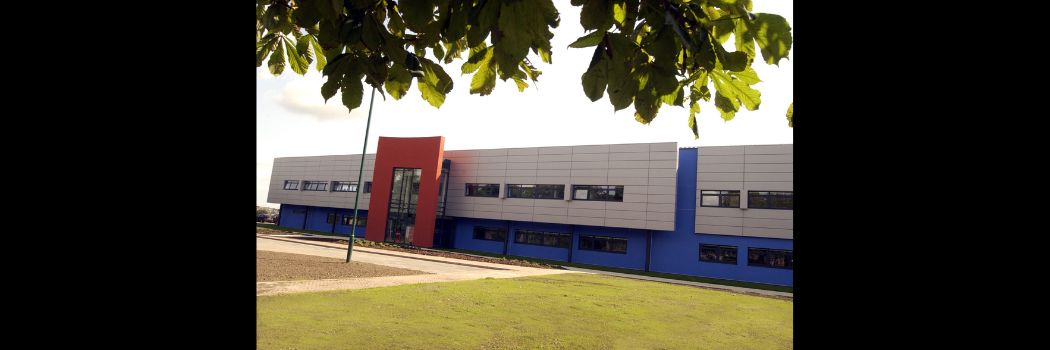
point(687, 283)
point(441, 269)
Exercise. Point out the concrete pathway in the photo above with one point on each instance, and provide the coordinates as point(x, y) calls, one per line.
point(687, 283)
point(441, 269)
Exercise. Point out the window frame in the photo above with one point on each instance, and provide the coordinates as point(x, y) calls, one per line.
point(604, 188)
point(770, 197)
point(468, 187)
point(720, 249)
point(351, 186)
point(501, 229)
point(580, 245)
point(720, 195)
point(287, 182)
point(557, 235)
point(324, 185)
point(790, 261)
point(536, 190)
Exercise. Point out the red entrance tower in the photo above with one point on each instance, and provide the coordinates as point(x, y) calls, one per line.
point(424, 153)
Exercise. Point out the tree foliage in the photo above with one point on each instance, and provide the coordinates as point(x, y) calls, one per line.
point(647, 53)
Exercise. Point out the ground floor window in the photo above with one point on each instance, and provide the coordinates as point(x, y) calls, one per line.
point(490, 233)
point(331, 218)
point(550, 239)
point(348, 220)
point(777, 258)
point(725, 254)
point(604, 244)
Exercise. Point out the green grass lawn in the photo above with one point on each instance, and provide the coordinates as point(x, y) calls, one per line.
point(576, 311)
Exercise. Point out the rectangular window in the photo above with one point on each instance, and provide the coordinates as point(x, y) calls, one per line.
point(770, 200)
point(604, 244)
point(550, 239)
point(331, 218)
point(482, 190)
point(725, 254)
point(314, 185)
point(723, 199)
point(291, 184)
point(536, 191)
point(490, 233)
point(597, 193)
point(344, 186)
point(776, 258)
point(368, 186)
point(348, 220)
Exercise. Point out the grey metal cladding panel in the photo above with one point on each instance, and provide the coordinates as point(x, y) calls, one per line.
point(554, 150)
point(491, 159)
point(721, 150)
point(628, 164)
point(626, 214)
point(720, 185)
point(590, 149)
point(516, 216)
point(714, 211)
point(635, 198)
point(663, 156)
point(629, 182)
point(553, 179)
point(629, 156)
point(528, 166)
point(770, 158)
point(521, 172)
point(769, 214)
point(554, 219)
point(769, 186)
point(487, 215)
point(722, 177)
point(553, 165)
point(589, 180)
point(554, 172)
point(657, 216)
point(522, 159)
point(587, 213)
point(522, 151)
point(603, 173)
point(489, 179)
point(492, 152)
point(719, 230)
point(773, 177)
point(672, 173)
point(666, 189)
point(663, 164)
point(638, 207)
point(626, 223)
point(661, 181)
point(550, 211)
point(576, 220)
point(517, 209)
point(577, 204)
point(590, 157)
point(630, 148)
point(633, 189)
point(768, 233)
point(492, 172)
point(521, 180)
point(719, 220)
point(603, 164)
point(663, 147)
point(659, 225)
point(769, 223)
point(768, 168)
point(489, 201)
point(492, 165)
point(661, 198)
point(553, 158)
point(550, 203)
point(660, 208)
point(733, 159)
point(769, 149)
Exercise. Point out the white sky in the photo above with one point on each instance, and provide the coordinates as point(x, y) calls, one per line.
point(292, 118)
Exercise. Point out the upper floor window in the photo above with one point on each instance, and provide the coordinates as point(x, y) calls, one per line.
point(724, 199)
point(536, 191)
point(725, 254)
point(314, 185)
point(482, 190)
point(291, 184)
point(770, 200)
point(597, 193)
point(778, 258)
point(344, 186)
point(368, 186)
point(605, 244)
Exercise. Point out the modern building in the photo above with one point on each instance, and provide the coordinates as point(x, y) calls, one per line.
point(719, 212)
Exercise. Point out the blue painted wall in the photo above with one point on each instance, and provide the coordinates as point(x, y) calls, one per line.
point(345, 229)
point(679, 251)
point(634, 259)
point(538, 251)
point(289, 218)
point(316, 219)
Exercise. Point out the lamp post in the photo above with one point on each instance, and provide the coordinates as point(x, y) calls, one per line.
point(360, 174)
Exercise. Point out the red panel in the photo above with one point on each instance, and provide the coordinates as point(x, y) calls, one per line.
point(425, 153)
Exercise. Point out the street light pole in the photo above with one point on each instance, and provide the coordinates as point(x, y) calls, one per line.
point(360, 174)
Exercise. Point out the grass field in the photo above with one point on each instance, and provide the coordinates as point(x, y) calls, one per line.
point(575, 311)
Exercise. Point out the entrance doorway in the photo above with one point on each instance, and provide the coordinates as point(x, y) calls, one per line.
point(404, 197)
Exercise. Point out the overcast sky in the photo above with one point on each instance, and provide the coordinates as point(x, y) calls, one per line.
point(292, 118)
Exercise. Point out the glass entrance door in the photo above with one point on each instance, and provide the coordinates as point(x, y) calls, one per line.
point(404, 196)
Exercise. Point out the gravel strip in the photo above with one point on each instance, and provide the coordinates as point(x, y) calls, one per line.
point(273, 266)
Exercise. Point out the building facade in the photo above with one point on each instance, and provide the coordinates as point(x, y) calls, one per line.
point(719, 212)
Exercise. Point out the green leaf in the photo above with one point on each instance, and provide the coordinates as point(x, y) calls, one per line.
point(595, 15)
point(435, 83)
point(675, 98)
point(396, 24)
point(773, 35)
point(474, 62)
point(735, 61)
point(694, 108)
point(485, 79)
point(488, 16)
point(519, 79)
point(329, 88)
point(514, 45)
point(744, 39)
point(620, 12)
point(748, 76)
point(588, 40)
point(646, 105)
point(417, 14)
point(790, 108)
point(439, 51)
point(370, 35)
point(329, 9)
point(322, 61)
point(265, 48)
point(736, 89)
point(295, 61)
point(352, 91)
point(302, 46)
point(726, 106)
point(595, 80)
point(276, 62)
point(398, 81)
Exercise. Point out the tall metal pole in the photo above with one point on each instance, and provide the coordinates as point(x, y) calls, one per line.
point(360, 173)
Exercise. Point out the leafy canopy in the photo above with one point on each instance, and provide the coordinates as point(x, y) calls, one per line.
point(647, 53)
